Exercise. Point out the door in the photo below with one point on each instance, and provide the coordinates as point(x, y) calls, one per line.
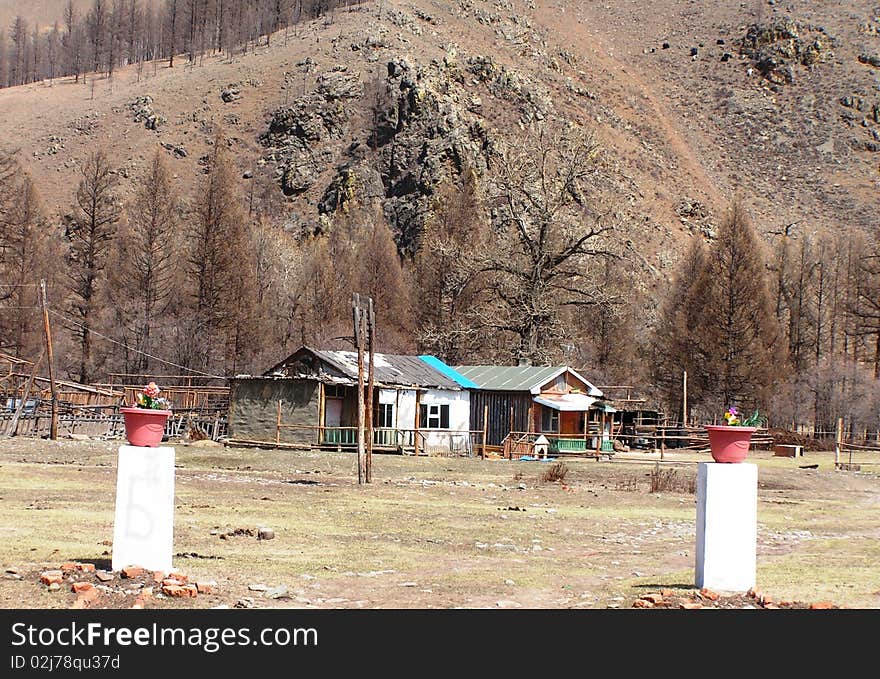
point(333, 418)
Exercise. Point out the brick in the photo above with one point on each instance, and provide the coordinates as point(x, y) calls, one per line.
point(81, 587)
point(68, 566)
point(86, 567)
point(48, 577)
point(86, 598)
point(821, 605)
point(177, 575)
point(766, 599)
point(653, 598)
point(104, 576)
point(690, 606)
point(158, 576)
point(207, 587)
point(132, 572)
point(642, 603)
point(666, 593)
point(708, 594)
point(172, 582)
point(179, 590)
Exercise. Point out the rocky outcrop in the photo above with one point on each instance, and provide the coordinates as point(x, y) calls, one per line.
point(777, 47)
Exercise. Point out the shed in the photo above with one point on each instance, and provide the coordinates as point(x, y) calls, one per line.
point(418, 405)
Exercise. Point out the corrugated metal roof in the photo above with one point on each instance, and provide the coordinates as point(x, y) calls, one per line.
point(519, 377)
point(508, 378)
point(391, 369)
point(449, 371)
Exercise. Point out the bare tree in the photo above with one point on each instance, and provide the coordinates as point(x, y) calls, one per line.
point(552, 229)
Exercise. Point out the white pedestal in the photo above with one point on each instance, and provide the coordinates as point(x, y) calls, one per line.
point(143, 529)
point(727, 526)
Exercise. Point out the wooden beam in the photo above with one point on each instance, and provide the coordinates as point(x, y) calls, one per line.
point(485, 431)
point(13, 424)
point(53, 426)
point(322, 412)
point(418, 419)
point(358, 319)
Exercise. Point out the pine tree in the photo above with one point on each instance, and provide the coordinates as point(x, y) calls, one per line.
point(144, 276)
point(89, 230)
point(735, 333)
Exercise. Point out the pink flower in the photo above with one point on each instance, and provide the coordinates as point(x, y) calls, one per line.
point(151, 390)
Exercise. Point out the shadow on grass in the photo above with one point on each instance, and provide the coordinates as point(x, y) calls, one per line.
point(657, 585)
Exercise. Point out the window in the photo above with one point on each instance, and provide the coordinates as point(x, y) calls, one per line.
point(549, 419)
point(385, 416)
point(434, 416)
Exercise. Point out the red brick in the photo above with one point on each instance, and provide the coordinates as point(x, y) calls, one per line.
point(209, 587)
point(172, 582)
point(68, 566)
point(86, 567)
point(642, 603)
point(653, 598)
point(158, 576)
point(179, 590)
point(822, 605)
point(81, 587)
point(177, 575)
point(48, 577)
point(754, 593)
point(104, 576)
point(86, 598)
point(132, 572)
point(771, 607)
point(666, 593)
point(690, 606)
point(708, 594)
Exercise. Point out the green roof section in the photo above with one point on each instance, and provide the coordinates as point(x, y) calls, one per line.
point(508, 378)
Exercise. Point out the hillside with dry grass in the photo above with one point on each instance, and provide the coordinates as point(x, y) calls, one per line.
point(686, 131)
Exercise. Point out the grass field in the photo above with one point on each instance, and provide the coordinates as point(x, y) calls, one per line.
point(434, 532)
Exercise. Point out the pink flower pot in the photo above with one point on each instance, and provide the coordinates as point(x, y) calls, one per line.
point(145, 427)
point(729, 444)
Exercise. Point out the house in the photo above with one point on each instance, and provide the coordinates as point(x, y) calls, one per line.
point(526, 399)
point(419, 403)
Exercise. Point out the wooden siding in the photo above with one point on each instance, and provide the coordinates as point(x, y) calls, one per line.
point(500, 404)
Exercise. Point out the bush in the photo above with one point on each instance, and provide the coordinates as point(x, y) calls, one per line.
point(669, 480)
point(556, 472)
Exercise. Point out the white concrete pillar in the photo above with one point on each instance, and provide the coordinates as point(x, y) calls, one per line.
point(143, 529)
point(727, 526)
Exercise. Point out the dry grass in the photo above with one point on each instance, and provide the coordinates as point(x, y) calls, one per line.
point(431, 532)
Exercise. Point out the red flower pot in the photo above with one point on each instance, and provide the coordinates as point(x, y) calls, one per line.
point(145, 427)
point(729, 444)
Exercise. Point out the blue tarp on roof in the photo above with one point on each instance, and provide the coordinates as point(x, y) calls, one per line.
point(448, 371)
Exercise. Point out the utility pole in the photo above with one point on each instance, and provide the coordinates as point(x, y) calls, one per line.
point(53, 427)
point(371, 331)
point(358, 319)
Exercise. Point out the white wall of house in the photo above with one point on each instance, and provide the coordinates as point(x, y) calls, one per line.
point(436, 440)
point(456, 437)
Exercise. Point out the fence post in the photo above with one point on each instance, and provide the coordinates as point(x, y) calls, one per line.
point(485, 431)
point(278, 424)
point(838, 442)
